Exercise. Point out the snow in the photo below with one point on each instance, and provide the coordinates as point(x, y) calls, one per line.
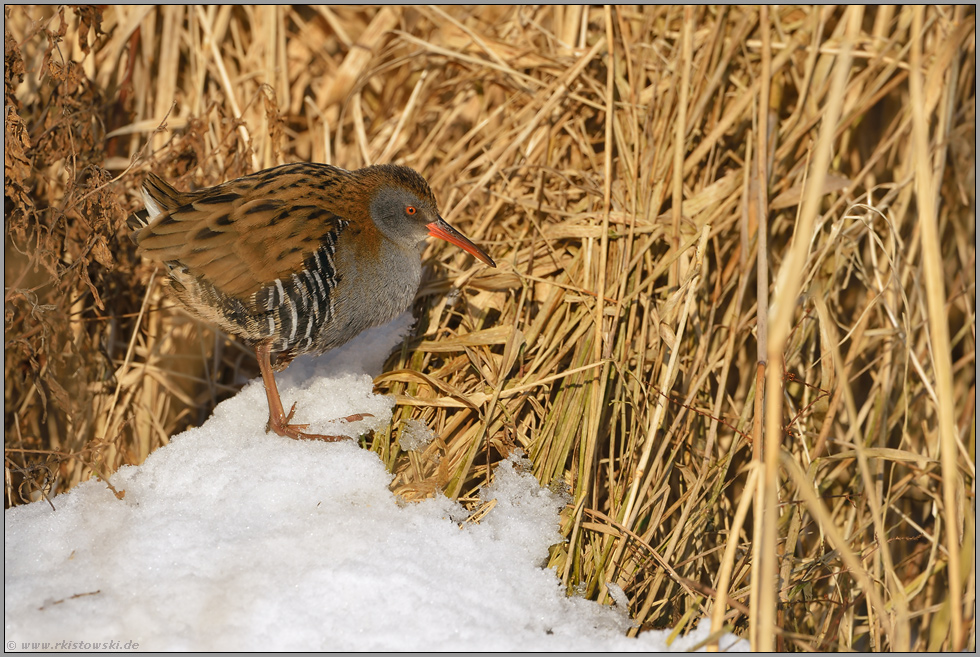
point(230, 538)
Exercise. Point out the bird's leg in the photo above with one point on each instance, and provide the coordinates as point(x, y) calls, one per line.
point(278, 419)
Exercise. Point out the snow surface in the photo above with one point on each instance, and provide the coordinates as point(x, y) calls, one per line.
point(230, 538)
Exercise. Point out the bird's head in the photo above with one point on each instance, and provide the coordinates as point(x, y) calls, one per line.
point(403, 208)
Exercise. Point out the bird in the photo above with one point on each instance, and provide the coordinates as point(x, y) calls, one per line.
point(295, 259)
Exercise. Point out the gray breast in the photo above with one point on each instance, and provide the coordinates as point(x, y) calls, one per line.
point(370, 294)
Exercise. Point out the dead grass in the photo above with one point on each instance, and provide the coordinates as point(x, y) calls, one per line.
point(618, 163)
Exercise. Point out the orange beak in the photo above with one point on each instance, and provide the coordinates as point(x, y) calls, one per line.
point(444, 231)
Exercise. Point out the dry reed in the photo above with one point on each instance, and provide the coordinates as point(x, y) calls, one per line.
point(673, 194)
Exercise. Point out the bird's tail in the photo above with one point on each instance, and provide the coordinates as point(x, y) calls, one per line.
point(158, 196)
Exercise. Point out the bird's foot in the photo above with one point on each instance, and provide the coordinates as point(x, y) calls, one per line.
point(281, 426)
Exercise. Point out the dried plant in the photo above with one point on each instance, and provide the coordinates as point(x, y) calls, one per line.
point(674, 194)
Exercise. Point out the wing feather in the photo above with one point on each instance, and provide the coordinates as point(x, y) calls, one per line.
point(245, 234)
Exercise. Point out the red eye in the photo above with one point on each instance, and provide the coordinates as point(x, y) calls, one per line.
point(410, 210)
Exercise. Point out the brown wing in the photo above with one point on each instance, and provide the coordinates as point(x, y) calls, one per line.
point(245, 234)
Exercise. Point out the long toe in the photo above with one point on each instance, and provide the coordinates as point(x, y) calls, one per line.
point(293, 431)
point(356, 417)
point(281, 426)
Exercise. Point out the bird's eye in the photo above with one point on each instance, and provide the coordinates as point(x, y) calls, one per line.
point(410, 210)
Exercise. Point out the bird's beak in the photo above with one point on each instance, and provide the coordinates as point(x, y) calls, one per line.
point(439, 228)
